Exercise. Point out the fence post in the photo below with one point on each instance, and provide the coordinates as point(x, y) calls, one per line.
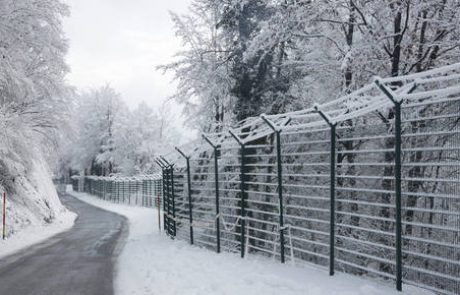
point(172, 196)
point(157, 191)
point(163, 187)
point(117, 186)
point(277, 131)
point(143, 192)
point(109, 189)
point(129, 180)
point(189, 193)
point(103, 189)
point(243, 192)
point(216, 184)
point(333, 135)
point(137, 191)
point(4, 216)
point(397, 102)
point(123, 185)
point(165, 200)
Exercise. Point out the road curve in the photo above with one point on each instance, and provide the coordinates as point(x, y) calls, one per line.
point(79, 261)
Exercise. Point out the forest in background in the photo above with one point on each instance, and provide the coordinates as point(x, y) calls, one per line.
point(107, 137)
point(49, 128)
point(87, 131)
point(242, 58)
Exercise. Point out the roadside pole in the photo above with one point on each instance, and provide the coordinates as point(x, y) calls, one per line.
point(4, 215)
point(159, 212)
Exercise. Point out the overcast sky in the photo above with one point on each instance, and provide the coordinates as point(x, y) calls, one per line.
point(120, 42)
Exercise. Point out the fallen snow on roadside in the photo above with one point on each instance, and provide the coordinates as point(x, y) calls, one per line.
point(152, 263)
point(37, 233)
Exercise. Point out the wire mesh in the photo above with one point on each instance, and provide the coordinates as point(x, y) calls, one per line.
point(142, 190)
point(369, 232)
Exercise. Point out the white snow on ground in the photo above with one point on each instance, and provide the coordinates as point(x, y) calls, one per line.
point(152, 263)
point(37, 233)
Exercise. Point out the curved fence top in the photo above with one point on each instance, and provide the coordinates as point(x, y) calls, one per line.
point(433, 85)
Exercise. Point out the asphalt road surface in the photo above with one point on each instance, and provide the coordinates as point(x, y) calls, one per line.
point(79, 261)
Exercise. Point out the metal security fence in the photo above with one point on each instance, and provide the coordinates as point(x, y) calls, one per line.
point(142, 190)
point(367, 184)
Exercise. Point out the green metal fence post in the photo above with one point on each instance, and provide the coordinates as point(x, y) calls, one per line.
point(165, 195)
point(243, 190)
point(398, 189)
point(167, 202)
point(332, 202)
point(277, 131)
point(216, 188)
point(138, 183)
point(129, 190)
point(333, 153)
point(189, 193)
point(397, 101)
point(124, 189)
point(117, 182)
point(163, 187)
point(172, 197)
point(143, 192)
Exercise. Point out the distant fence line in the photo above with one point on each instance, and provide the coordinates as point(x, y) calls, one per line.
point(141, 190)
point(368, 184)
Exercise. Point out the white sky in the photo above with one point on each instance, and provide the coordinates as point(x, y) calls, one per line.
point(120, 42)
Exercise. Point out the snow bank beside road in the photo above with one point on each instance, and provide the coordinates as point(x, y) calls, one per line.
point(151, 263)
point(37, 233)
point(34, 212)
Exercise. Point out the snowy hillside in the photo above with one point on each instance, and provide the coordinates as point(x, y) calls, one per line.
point(32, 199)
point(34, 99)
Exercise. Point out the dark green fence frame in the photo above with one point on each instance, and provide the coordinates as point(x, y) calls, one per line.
point(140, 190)
point(390, 89)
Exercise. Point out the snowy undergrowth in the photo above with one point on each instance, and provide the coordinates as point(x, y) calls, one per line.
point(152, 263)
point(34, 212)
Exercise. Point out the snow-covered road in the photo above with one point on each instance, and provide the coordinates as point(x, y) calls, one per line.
point(79, 261)
point(152, 263)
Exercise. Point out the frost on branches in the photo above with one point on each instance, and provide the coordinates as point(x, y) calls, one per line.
point(242, 58)
point(109, 138)
point(32, 105)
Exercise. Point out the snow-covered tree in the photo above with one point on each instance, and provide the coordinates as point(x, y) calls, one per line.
point(33, 95)
point(96, 115)
point(33, 106)
point(280, 55)
point(202, 69)
point(138, 141)
point(109, 138)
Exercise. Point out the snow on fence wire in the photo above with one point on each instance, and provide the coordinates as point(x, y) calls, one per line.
point(367, 184)
point(141, 190)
